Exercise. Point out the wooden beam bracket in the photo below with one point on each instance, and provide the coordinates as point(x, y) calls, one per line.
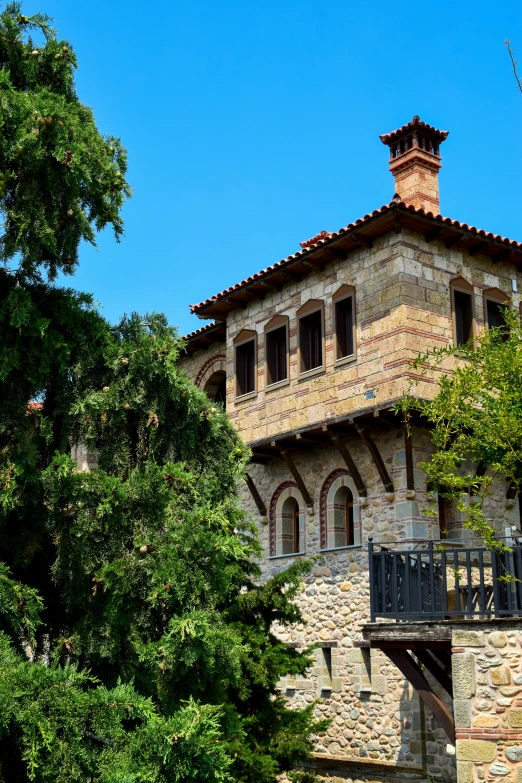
point(349, 462)
point(378, 460)
point(413, 673)
point(436, 670)
point(292, 467)
point(255, 495)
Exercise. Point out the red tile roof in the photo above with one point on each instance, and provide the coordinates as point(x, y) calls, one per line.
point(389, 217)
point(314, 240)
point(200, 338)
point(416, 122)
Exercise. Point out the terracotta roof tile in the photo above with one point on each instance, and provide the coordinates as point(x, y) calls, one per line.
point(399, 206)
point(416, 122)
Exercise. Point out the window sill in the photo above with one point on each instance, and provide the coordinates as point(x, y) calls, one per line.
point(277, 385)
point(292, 554)
point(340, 548)
point(345, 360)
point(243, 397)
point(303, 376)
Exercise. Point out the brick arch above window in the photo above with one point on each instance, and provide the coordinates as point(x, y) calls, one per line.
point(288, 489)
point(336, 480)
point(213, 365)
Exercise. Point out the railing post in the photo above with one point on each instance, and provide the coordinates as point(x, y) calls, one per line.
point(432, 578)
point(372, 580)
point(496, 587)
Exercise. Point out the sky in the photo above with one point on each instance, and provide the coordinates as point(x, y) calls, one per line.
point(252, 126)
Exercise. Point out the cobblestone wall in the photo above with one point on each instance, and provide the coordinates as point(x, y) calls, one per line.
point(487, 686)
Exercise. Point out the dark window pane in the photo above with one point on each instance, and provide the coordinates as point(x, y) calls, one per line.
point(311, 341)
point(296, 528)
point(275, 347)
point(463, 317)
point(245, 367)
point(344, 327)
point(495, 314)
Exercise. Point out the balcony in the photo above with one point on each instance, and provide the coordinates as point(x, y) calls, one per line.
point(422, 591)
point(441, 580)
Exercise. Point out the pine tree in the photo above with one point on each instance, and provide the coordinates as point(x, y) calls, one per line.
point(136, 641)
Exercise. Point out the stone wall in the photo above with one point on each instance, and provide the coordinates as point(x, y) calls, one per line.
point(403, 307)
point(487, 687)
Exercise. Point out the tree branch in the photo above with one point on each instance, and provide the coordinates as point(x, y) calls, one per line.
point(514, 63)
point(99, 740)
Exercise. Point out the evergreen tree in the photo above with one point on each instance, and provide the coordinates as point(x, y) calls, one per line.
point(136, 642)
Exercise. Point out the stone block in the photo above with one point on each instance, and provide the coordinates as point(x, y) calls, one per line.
point(515, 719)
point(486, 722)
point(498, 639)
point(467, 639)
point(518, 776)
point(463, 665)
point(501, 676)
point(379, 684)
point(499, 769)
point(465, 771)
point(476, 750)
point(353, 655)
point(514, 753)
point(462, 713)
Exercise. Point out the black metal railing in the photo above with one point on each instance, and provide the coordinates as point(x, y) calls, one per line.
point(441, 580)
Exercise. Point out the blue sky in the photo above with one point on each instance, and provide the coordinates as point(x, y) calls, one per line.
point(251, 126)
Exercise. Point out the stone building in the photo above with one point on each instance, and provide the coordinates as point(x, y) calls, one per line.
point(419, 660)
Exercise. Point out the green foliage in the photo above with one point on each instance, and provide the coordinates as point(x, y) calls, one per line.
point(136, 642)
point(146, 570)
point(476, 417)
point(60, 179)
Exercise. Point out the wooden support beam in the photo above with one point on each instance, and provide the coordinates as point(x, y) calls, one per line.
point(349, 462)
point(433, 234)
point(298, 444)
point(255, 495)
point(413, 673)
point(269, 286)
point(307, 438)
point(313, 264)
point(408, 448)
point(297, 476)
point(444, 658)
point(453, 240)
point(355, 237)
point(477, 248)
point(378, 460)
point(235, 303)
point(434, 668)
point(502, 256)
point(292, 276)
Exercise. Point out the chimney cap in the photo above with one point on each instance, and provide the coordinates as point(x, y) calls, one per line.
point(416, 122)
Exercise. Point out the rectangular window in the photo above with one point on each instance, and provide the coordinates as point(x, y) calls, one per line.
point(276, 355)
point(463, 314)
point(245, 368)
point(345, 327)
point(311, 341)
point(495, 314)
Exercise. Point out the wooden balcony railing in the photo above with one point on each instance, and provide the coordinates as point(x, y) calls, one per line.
point(444, 581)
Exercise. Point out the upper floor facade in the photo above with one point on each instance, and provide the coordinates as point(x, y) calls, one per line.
point(329, 333)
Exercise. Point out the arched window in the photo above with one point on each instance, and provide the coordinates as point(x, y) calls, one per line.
point(216, 387)
point(212, 378)
point(340, 512)
point(287, 520)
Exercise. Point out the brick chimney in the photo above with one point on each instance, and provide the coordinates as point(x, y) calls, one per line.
point(415, 163)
